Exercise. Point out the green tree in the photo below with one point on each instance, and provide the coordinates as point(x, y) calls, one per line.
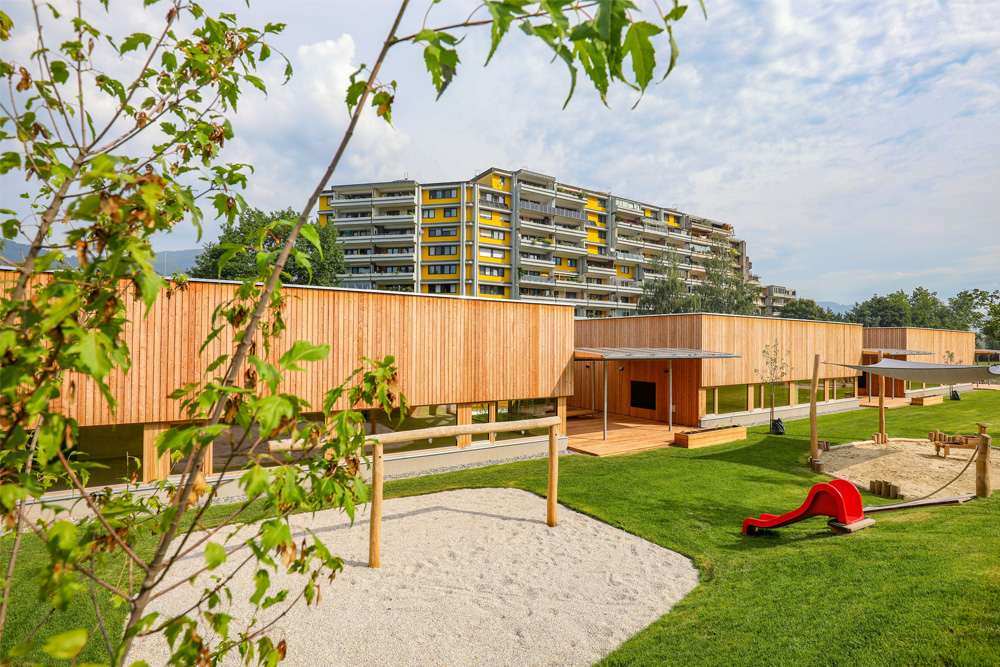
point(724, 289)
point(256, 229)
point(97, 192)
point(775, 370)
point(987, 316)
point(807, 309)
point(667, 294)
point(881, 311)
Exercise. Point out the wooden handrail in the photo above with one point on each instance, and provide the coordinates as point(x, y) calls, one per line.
point(436, 432)
point(378, 464)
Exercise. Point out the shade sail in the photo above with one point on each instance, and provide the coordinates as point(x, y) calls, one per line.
point(915, 371)
point(637, 353)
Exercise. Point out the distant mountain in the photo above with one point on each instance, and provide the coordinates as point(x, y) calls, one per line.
point(167, 261)
point(838, 308)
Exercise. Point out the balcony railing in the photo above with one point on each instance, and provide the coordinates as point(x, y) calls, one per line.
point(552, 210)
point(495, 203)
point(544, 280)
point(629, 256)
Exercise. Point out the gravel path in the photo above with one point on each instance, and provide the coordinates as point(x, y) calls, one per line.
point(468, 577)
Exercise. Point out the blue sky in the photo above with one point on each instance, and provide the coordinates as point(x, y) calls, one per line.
point(854, 145)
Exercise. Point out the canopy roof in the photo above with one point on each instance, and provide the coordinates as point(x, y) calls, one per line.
point(634, 353)
point(932, 373)
point(889, 350)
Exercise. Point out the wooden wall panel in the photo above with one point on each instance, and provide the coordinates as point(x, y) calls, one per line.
point(746, 336)
point(686, 379)
point(448, 350)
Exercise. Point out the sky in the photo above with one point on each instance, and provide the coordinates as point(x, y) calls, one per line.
point(854, 145)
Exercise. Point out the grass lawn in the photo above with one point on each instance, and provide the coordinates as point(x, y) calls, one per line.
point(921, 587)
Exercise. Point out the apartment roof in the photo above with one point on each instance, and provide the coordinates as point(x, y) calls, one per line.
point(636, 353)
point(377, 184)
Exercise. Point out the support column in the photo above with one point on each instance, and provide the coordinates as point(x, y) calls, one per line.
point(605, 399)
point(881, 403)
point(154, 467)
point(493, 418)
point(561, 413)
point(670, 394)
point(983, 486)
point(464, 419)
point(813, 426)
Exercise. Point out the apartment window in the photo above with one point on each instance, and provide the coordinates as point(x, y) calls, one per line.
point(572, 263)
point(429, 213)
point(451, 212)
point(503, 180)
point(602, 218)
point(359, 269)
point(494, 271)
point(626, 270)
point(602, 235)
point(442, 269)
point(485, 215)
point(393, 251)
point(355, 251)
point(445, 193)
point(603, 203)
point(446, 288)
point(492, 234)
point(571, 295)
point(442, 231)
point(491, 253)
point(494, 290)
point(558, 260)
point(442, 250)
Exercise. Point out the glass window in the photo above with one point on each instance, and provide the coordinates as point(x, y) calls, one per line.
point(423, 416)
point(710, 401)
point(781, 396)
point(803, 389)
point(732, 398)
point(842, 388)
point(481, 415)
point(532, 408)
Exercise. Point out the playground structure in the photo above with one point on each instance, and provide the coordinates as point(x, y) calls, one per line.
point(946, 443)
point(378, 441)
point(838, 499)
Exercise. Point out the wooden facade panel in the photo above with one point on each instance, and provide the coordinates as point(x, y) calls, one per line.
point(448, 350)
point(588, 377)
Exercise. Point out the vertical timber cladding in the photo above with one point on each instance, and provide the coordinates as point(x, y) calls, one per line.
point(743, 335)
point(448, 349)
point(939, 342)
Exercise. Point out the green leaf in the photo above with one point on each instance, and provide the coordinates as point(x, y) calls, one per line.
point(91, 355)
point(215, 555)
point(302, 351)
point(310, 234)
point(60, 73)
point(255, 481)
point(67, 645)
point(133, 41)
point(643, 53)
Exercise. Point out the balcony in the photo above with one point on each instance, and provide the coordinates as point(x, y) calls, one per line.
point(392, 276)
point(363, 258)
point(536, 242)
point(601, 269)
point(393, 219)
point(530, 259)
point(628, 241)
point(552, 210)
point(393, 239)
point(537, 280)
point(541, 190)
point(392, 257)
point(384, 200)
point(628, 257)
point(355, 240)
point(493, 203)
point(604, 288)
point(342, 201)
point(626, 286)
point(362, 275)
point(543, 225)
point(570, 232)
point(570, 248)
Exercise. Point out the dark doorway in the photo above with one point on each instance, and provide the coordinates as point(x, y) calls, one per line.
point(644, 395)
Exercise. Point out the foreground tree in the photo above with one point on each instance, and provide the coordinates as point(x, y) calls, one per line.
point(775, 371)
point(256, 229)
point(724, 289)
point(666, 294)
point(96, 192)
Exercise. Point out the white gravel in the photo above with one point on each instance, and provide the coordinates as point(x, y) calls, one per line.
point(468, 577)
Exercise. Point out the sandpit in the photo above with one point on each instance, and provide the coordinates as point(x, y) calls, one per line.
point(909, 464)
point(468, 577)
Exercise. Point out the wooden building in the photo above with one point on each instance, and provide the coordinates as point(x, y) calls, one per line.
point(715, 390)
point(460, 360)
point(933, 346)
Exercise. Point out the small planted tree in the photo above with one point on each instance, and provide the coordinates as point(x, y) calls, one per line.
point(949, 358)
point(774, 372)
point(107, 162)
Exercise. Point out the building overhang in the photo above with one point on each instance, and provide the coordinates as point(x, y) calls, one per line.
point(892, 351)
point(643, 353)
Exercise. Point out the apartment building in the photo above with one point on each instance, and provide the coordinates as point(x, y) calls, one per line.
point(518, 235)
point(776, 297)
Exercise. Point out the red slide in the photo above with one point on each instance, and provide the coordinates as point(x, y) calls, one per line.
point(837, 498)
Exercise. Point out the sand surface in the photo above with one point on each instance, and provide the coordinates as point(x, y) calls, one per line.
point(468, 577)
point(909, 464)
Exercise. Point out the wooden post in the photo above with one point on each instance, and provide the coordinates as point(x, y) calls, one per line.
point(813, 425)
point(493, 418)
point(553, 474)
point(371, 417)
point(561, 413)
point(983, 486)
point(375, 534)
point(464, 417)
point(881, 402)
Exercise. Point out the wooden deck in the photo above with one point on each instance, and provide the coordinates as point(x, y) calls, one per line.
point(890, 403)
point(626, 435)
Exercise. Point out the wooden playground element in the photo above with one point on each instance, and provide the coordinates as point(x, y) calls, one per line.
point(710, 436)
point(553, 424)
point(926, 400)
point(946, 443)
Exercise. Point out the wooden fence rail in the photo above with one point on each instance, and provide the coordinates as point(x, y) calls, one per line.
point(553, 424)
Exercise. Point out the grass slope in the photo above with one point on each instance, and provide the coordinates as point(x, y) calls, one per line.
point(921, 587)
